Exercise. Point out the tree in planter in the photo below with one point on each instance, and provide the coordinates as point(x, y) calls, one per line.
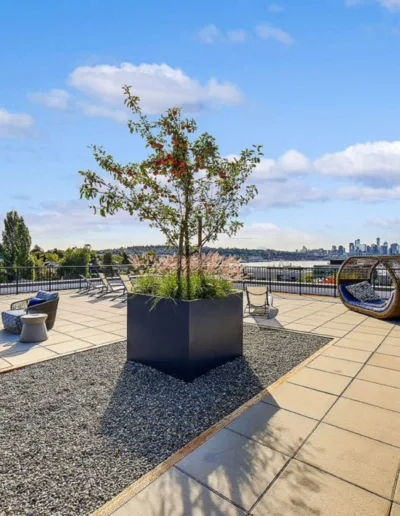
point(184, 187)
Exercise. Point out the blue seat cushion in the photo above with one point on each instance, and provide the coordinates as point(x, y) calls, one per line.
point(12, 320)
point(46, 296)
point(35, 301)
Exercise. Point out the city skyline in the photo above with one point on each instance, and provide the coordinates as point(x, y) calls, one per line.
point(326, 115)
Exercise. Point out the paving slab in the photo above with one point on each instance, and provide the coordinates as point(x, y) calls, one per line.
point(379, 395)
point(373, 330)
point(388, 349)
point(386, 361)
point(336, 365)
point(34, 355)
point(392, 340)
point(395, 510)
point(172, 494)
point(365, 337)
point(362, 461)
point(303, 401)
point(320, 380)
point(353, 355)
point(380, 375)
point(356, 344)
point(374, 422)
point(274, 427)
point(303, 490)
point(236, 467)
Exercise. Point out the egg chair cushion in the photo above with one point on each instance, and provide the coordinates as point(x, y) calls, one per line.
point(363, 292)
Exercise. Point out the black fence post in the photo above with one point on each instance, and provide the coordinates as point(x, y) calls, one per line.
point(300, 279)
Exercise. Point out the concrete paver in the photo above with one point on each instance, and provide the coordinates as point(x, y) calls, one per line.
point(373, 394)
point(171, 494)
point(380, 375)
point(303, 490)
point(274, 427)
point(357, 459)
point(335, 365)
point(320, 380)
point(353, 355)
point(234, 466)
point(385, 361)
point(301, 400)
point(374, 422)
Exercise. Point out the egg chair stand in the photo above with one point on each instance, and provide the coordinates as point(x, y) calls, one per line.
point(357, 269)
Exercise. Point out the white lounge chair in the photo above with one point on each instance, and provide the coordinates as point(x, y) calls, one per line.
point(258, 300)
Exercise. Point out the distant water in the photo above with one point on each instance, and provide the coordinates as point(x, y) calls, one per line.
point(282, 263)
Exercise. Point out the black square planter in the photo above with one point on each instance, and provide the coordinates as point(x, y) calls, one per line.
point(185, 338)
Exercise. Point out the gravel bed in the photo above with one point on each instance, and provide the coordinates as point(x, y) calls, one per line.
point(77, 430)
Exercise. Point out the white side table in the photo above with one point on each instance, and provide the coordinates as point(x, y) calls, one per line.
point(34, 328)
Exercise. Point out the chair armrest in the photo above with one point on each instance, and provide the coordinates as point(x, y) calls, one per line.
point(19, 305)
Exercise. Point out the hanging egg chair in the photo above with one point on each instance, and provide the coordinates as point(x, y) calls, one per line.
point(356, 278)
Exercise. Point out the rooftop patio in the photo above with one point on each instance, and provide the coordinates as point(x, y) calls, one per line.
point(322, 440)
point(85, 322)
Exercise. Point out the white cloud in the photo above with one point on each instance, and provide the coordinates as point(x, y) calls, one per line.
point(266, 31)
point(369, 194)
point(384, 222)
point(209, 34)
point(15, 125)
point(158, 86)
point(292, 193)
point(53, 99)
point(101, 111)
point(379, 160)
point(236, 36)
point(292, 162)
point(270, 235)
point(392, 5)
point(275, 8)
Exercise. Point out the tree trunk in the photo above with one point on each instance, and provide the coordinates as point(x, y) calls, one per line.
point(179, 270)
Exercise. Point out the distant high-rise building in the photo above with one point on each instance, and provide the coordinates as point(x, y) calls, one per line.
point(394, 248)
point(363, 248)
point(341, 249)
point(384, 248)
point(374, 249)
point(378, 242)
point(351, 247)
point(334, 249)
point(357, 244)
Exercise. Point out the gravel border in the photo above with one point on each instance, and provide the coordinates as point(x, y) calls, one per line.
point(77, 430)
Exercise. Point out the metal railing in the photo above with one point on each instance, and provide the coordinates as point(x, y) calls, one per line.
point(17, 280)
point(317, 280)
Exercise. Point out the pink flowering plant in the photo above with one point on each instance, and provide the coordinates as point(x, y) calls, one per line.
point(184, 188)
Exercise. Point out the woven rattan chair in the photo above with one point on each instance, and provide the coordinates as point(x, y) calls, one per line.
point(12, 318)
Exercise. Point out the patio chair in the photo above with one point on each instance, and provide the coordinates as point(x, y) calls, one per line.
point(43, 303)
point(100, 289)
point(109, 288)
point(127, 286)
point(258, 300)
point(88, 284)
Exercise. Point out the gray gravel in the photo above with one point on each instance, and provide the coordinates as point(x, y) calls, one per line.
point(77, 430)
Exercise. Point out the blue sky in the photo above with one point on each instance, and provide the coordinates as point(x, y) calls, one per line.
point(315, 82)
